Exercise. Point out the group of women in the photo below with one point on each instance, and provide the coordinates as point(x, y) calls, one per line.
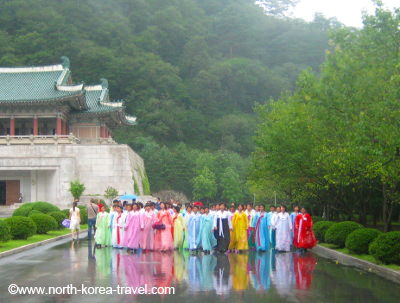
point(165, 227)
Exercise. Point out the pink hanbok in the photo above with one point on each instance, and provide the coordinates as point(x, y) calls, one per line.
point(163, 237)
point(132, 230)
point(147, 233)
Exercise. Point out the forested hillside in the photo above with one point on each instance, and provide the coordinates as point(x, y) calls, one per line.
point(190, 70)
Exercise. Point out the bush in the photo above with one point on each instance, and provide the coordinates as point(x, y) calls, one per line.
point(44, 223)
point(59, 216)
point(21, 227)
point(66, 212)
point(318, 219)
point(338, 232)
point(386, 248)
point(359, 240)
point(5, 231)
point(84, 216)
point(44, 207)
point(34, 212)
point(23, 210)
point(320, 229)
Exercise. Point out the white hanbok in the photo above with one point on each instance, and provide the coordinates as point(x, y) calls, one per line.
point(283, 226)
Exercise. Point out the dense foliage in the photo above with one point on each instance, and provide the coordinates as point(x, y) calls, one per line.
point(59, 216)
point(359, 240)
point(44, 223)
point(5, 231)
point(26, 209)
point(190, 70)
point(320, 229)
point(338, 232)
point(386, 248)
point(21, 227)
point(84, 215)
point(334, 142)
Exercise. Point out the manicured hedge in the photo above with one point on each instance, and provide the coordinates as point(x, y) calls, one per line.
point(84, 216)
point(320, 229)
point(44, 223)
point(21, 227)
point(66, 212)
point(359, 240)
point(386, 248)
point(5, 231)
point(338, 232)
point(23, 210)
point(43, 207)
point(34, 212)
point(59, 216)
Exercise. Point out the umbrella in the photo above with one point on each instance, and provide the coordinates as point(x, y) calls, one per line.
point(128, 197)
point(198, 203)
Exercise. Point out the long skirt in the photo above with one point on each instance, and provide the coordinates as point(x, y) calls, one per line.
point(250, 237)
point(222, 236)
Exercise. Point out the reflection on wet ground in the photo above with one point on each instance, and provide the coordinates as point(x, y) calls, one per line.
point(250, 277)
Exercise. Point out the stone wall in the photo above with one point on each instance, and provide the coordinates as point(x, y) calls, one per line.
point(52, 167)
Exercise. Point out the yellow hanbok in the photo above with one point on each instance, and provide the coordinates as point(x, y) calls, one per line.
point(179, 226)
point(240, 223)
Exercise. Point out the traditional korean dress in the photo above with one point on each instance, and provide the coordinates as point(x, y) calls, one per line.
point(223, 224)
point(103, 234)
point(163, 237)
point(186, 236)
point(232, 238)
point(118, 224)
point(283, 229)
point(262, 233)
point(132, 230)
point(207, 239)
point(250, 229)
point(194, 231)
point(179, 225)
point(304, 236)
point(240, 224)
point(147, 231)
point(293, 216)
point(272, 228)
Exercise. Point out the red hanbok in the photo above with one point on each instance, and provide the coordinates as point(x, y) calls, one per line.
point(303, 234)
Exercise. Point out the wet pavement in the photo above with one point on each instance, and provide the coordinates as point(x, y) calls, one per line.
point(250, 277)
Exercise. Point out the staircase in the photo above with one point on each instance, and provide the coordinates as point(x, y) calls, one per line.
point(7, 210)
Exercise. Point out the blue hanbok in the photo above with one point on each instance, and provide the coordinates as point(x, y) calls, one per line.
point(207, 238)
point(194, 231)
point(262, 233)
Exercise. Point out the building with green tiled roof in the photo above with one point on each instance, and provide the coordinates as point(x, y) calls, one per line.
point(54, 131)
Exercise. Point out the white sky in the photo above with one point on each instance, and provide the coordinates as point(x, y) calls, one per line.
point(346, 11)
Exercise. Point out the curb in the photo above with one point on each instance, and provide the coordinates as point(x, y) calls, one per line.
point(37, 244)
point(347, 260)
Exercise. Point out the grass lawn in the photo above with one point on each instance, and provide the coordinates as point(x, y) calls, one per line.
point(364, 257)
point(4, 246)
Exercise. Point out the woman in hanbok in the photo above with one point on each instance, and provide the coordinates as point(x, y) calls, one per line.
point(194, 229)
point(250, 212)
point(163, 237)
point(188, 214)
point(207, 239)
point(293, 216)
point(232, 242)
point(102, 236)
point(127, 213)
point(262, 232)
point(274, 217)
point(222, 228)
point(240, 224)
point(179, 228)
point(132, 229)
point(283, 231)
point(118, 227)
point(147, 231)
point(304, 237)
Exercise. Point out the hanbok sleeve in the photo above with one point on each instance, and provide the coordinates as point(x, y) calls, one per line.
point(230, 222)
point(215, 219)
point(290, 224)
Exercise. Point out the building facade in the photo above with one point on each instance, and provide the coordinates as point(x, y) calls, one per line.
point(53, 131)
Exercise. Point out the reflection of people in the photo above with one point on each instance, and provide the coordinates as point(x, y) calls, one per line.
point(283, 276)
point(303, 270)
point(222, 277)
point(208, 263)
point(75, 221)
point(240, 278)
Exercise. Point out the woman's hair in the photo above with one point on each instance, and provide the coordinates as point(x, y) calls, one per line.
point(177, 208)
point(242, 205)
point(284, 206)
point(222, 204)
point(140, 204)
point(161, 203)
point(74, 205)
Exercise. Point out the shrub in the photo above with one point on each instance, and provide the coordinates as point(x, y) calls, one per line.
point(5, 231)
point(318, 219)
point(21, 227)
point(338, 232)
point(320, 229)
point(386, 248)
point(23, 210)
point(66, 212)
point(44, 223)
point(59, 216)
point(44, 207)
point(359, 240)
point(76, 188)
point(84, 216)
point(34, 212)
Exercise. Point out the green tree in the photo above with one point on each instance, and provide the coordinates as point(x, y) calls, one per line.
point(231, 186)
point(204, 185)
point(76, 189)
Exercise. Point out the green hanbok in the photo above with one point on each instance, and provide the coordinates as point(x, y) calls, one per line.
point(103, 233)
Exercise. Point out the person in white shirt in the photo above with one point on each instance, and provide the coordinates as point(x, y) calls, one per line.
point(222, 228)
point(274, 219)
point(284, 227)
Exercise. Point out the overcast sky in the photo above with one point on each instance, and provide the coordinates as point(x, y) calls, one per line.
point(346, 11)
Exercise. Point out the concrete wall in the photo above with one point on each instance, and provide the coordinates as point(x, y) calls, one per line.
point(50, 168)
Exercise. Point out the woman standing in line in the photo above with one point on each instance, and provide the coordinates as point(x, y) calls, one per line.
point(186, 218)
point(179, 228)
point(132, 229)
point(102, 236)
point(163, 237)
point(304, 237)
point(222, 228)
point(75, 218)
point(283, 231)
point(240, 224)
point(118, 227)
point(146, 226)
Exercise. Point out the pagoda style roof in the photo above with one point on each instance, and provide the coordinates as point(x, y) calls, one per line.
point(53, 85)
